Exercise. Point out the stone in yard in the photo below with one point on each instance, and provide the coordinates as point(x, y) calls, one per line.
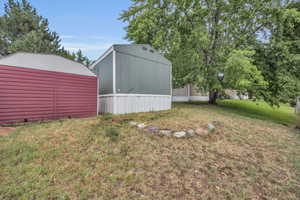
point(141, 125)
point(216, 123)
point(180, 134)
point(200, 131)
point(133, 123)
point(152, 129)
point(211, 127)
point(191, 133)
point(165, 132)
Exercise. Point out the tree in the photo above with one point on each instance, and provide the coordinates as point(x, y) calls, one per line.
point(293, 33)
point(278, 59)
point(35, 42)
point(200, 36)
point(79, 57)
point(22, 29)
point(242, 74)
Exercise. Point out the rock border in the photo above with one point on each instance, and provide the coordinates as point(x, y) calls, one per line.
point(211, 127)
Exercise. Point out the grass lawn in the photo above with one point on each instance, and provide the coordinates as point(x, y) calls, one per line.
point(261, 110)
point(246, 158)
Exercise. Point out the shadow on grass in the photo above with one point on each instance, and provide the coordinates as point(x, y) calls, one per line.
point(258, 110)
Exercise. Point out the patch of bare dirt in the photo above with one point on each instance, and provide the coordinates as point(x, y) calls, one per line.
point(5, 131)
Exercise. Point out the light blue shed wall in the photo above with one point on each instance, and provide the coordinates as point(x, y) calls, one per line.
point(137, 75)
point(104, 71)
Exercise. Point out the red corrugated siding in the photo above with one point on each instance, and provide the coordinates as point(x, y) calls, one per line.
point(33, 95)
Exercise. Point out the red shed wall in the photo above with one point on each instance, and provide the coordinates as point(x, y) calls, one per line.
point(33, 95)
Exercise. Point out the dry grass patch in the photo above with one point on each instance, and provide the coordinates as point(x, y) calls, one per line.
point(5, 131)
point(78, 159)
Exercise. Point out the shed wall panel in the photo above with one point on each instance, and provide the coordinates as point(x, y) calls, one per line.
point(33, 95)
point(105, 70)
point(142, 51)
point(136, 75)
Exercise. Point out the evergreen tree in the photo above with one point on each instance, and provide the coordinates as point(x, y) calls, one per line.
point(22, 29)
point(79, 57)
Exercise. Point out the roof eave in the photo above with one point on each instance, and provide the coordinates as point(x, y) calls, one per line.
point(106, 53)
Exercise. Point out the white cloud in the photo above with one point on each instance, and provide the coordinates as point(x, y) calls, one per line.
point(90, 37)
point(74, 46)
point(67, 37)
point(106, 38)
point(91, 46)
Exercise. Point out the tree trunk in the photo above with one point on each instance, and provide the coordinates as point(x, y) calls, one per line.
point(213, 95)
point(250, 95)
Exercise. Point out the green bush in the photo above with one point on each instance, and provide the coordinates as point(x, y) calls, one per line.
point(107, 117)
point(292, 103)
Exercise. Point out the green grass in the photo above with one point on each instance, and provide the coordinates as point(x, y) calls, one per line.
point(105, 158)
point(260, 110)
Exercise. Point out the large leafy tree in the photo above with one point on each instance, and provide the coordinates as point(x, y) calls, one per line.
point(204, 38)
point(292, 34)
point(279, 57)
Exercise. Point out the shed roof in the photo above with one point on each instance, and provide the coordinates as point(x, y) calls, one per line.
point(47, 62)
point(142, 50)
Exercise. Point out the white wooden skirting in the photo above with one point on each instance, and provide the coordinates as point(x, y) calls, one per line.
point(191, 98)
point(133, 103)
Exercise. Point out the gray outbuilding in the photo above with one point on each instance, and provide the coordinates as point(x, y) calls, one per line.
point(134, 78)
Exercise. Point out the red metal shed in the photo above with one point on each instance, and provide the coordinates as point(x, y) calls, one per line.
point(37, 87)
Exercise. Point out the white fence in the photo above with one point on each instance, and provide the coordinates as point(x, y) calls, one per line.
point(298, 106)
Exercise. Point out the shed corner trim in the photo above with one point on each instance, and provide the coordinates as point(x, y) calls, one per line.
point(104, 55)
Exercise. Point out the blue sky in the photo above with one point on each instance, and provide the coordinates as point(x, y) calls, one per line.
point(89, 25)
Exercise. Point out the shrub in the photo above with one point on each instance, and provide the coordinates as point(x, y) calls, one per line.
point(113, 134)
point(124, 150)
point(107, 117)
point(292, 103)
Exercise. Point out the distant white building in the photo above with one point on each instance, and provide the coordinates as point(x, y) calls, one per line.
point(188, 93)
point(192, 93)
point(298, 105)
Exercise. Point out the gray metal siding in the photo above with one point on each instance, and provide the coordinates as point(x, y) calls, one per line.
point(104, 71)
point(137, 75)
point(143, 51)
